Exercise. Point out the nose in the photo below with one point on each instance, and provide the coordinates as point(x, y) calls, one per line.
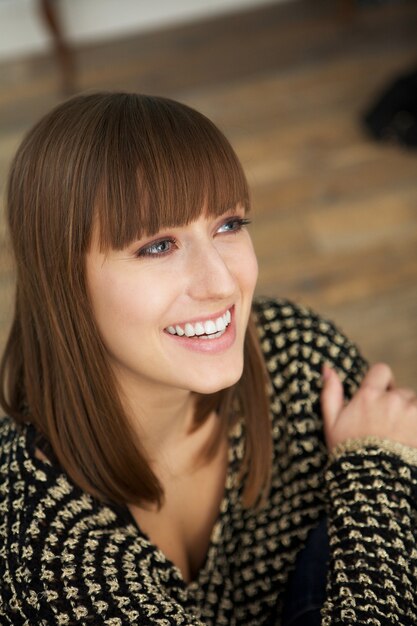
point(211, 275)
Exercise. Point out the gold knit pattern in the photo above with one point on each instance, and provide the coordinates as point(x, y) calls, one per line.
point(67, 559)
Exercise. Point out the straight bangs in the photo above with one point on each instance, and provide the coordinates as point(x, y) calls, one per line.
point(166, 164)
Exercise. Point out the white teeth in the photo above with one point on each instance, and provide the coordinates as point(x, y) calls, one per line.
point(209, 329)
point(189, 330)
point(220, 324)
point(199, 328)
point(214, 336)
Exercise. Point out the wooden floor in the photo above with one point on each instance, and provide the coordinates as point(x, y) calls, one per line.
point(335, 215)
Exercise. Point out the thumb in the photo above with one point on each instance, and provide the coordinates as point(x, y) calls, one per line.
point(332, 398)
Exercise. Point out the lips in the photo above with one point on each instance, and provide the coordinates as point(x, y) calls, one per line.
point(206, 329)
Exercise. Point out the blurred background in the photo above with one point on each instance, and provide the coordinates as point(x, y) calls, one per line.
point(289, 82)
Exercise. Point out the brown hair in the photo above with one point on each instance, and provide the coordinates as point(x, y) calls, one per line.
point(132, 164)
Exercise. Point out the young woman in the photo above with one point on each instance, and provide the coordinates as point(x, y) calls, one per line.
point(170, 443)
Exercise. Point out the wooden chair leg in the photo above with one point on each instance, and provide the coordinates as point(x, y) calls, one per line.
point(63, 52)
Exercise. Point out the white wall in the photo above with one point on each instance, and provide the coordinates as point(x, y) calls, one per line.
point(22, 31)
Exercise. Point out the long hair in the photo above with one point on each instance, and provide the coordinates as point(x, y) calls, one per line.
point(131, 164)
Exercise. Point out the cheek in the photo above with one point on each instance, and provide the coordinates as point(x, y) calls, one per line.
point(247, 268)
point(126, 303)
point(117, 304)
point(131, 303)
point(124, 320)
point(253, 269)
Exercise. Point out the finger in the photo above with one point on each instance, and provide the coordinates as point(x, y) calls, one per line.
point(380, 376)
point(408, 394)
point(332, 397)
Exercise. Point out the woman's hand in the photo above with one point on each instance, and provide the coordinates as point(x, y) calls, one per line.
point(378, 409)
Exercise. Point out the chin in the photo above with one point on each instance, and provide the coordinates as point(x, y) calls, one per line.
point(217, 383)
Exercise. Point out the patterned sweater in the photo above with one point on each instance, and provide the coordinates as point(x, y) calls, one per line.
point(66, 558)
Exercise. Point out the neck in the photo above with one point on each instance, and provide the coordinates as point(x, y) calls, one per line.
point(161, 421)
point(163, 418)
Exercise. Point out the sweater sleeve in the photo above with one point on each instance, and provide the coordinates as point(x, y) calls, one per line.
point(372, 514)
point(369, 486)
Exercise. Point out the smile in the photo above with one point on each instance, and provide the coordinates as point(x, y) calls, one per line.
point(208, 329)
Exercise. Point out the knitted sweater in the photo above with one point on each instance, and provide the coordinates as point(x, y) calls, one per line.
point(66, 558)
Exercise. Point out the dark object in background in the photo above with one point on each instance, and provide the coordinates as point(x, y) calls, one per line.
point(306, 587)
point(63, 52)
point(393, 116)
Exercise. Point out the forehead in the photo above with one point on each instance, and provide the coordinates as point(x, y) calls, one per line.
point(139, 234)
point(145, 212)
point(164, 167)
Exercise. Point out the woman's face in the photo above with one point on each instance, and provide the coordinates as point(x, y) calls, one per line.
point(173, 308)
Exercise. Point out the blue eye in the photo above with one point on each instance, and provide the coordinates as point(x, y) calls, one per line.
point(233, 225)
point(157, 248)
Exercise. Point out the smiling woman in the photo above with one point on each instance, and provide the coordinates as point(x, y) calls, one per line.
point(122, 169)
point(171, 442)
